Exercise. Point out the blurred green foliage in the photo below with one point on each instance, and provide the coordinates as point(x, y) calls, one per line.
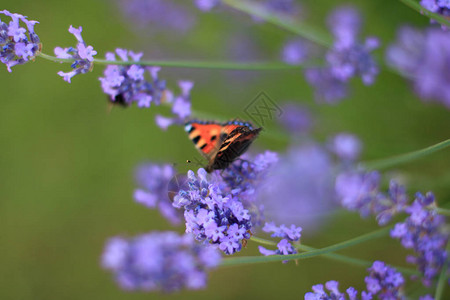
point(67, 163)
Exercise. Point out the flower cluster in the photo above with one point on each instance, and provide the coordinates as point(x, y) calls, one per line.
point(126, 84)
point(15, 46)
point(347, 58)
point(424, 232)
point(360, 191)
point(287, 235)
point(212, 215)
point(154, 180)
point(423, 56)
point(244, 177)
point(441, 7)
point(162, 261)
point(383, 281)
point(82, 55)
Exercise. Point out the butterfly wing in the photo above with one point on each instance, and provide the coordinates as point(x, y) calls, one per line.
point(206, 136)
point(236, 144)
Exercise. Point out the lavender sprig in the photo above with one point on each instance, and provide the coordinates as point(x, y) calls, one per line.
point(17, 44)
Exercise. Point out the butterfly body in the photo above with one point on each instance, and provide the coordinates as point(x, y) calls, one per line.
point(221, 143)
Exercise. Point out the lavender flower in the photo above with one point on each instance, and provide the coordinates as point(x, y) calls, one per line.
point(157, 15)
point(424, 231)
point(346, 146)
point(383, 281)
point(16, 47)
point(424, 57)
point(347, 58)
point(287, 235)
point(206, 5)
point(127, 84)
point(360, 191)
point(213, 216)
point(441, 7)
point(294, 51)
point(159, 261)
point(299, 188)
point(82, 55)
point(296, 118)
point(154, 180)
point(333, 292)
point(244, 177)
point(181, 106)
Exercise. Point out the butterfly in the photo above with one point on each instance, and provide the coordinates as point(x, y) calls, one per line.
point(221, 143)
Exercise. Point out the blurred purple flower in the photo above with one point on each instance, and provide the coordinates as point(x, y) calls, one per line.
point(296, 118)
point(360, 191)
point(295, 51)
point(159, 261)
point(181, 106)
point(16, 47)
point(82, 55)
point(346, 146)
point(327, 88)
point(424, 231)
point(347, 58)
point(299, 188)
point(424, 56)
point(157, 15)
point(153, 180)
point(126, 84)
point(206, 5)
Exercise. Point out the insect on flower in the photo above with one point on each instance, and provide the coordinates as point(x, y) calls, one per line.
point(220, 143)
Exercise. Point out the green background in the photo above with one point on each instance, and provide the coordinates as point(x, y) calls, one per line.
point(66, 163)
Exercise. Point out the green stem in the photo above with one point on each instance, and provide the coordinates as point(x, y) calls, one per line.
point(336, 247)
point(337, 257)
point(404, 158)
point(303, 30)
point(442, 279)
point(250, 66)
point(423, 11)
point(443, 211)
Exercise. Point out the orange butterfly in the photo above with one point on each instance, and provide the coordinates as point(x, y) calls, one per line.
point(221, 143)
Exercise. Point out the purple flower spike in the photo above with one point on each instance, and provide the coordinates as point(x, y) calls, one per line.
point(213, 215)
point(127, 84)
point(348, 58)
point(359, 191)
point(423, 56)
point(424, 231)
point(333, 292)
point(384, 281)
point(82, 55)
point(16, 46)
point(153, 180)
point(159, 261)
